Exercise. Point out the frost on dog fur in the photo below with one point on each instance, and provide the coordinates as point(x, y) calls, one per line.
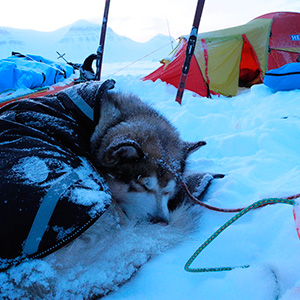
point(99, 260)
point(140, 154)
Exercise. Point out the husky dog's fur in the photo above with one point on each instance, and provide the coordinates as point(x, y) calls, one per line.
point(98, 261)
point(141, 156)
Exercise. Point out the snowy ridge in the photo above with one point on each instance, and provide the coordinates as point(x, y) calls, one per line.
point(254, 140)
point(78, 41)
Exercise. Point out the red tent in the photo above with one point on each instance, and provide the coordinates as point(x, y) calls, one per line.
point(239, 56)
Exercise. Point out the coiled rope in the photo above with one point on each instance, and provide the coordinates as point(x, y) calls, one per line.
point(241, 212)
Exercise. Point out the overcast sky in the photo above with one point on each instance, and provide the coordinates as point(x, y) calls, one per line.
point(138, 19)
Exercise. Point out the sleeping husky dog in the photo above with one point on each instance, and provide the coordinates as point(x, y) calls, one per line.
point(141, 156)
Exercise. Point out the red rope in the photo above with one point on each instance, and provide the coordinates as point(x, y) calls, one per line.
point(293, 197)
point(227, 210)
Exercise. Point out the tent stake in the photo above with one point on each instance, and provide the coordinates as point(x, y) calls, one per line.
point(100, 49)
point(189, 51)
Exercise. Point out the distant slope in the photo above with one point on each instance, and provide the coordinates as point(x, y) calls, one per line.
point(78, 41)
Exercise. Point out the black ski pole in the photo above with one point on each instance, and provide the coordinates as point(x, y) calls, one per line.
point(62, 56)
point(189, 51)
point(100, 49)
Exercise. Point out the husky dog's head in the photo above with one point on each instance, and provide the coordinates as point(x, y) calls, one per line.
point(141, 156)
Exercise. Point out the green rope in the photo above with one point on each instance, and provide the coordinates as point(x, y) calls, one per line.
point(7, 90)
point(222, 228)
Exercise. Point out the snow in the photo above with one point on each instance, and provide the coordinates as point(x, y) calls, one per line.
point(253, 139)
point(32, 170)
point(90, 195)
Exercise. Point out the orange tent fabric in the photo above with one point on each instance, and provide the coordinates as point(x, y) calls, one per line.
point(239, 56)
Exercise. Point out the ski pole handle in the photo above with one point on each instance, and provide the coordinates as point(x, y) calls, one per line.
point(189, 51)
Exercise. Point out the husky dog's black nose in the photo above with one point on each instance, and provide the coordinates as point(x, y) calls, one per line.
point(159, 220)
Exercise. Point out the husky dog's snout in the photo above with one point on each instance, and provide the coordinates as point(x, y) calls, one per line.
point(143, 198)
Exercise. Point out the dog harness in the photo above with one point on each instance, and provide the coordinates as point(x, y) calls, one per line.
point(50, 191)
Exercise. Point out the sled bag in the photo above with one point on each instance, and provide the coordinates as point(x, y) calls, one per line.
point(285, 78)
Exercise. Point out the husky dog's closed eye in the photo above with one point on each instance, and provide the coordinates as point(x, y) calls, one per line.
point(141, 156)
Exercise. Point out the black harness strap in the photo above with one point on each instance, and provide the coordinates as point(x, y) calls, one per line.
point(88, 113)
point(105, 86)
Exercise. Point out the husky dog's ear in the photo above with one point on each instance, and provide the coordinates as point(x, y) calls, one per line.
point(190, 147)
point(105, 86)
point(122, 152)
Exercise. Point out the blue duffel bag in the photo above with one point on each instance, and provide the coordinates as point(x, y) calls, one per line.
point(285, 78)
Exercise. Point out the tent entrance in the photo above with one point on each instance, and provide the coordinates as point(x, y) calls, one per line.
point(249, 66)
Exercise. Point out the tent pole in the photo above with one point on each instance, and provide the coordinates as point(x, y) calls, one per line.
point(189, 51)
point(100, 49)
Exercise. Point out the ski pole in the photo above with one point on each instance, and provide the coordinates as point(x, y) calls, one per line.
point(189, 51)
point(62, 56)
point(100, 49)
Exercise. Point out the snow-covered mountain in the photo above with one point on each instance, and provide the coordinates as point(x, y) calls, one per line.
point(79, 40)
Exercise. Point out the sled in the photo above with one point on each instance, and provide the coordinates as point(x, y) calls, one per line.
point(31, 76)
point(38, 92)
point(24, 76)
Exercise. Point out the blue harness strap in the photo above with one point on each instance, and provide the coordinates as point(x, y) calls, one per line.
point(92, 113)
point(45, 212)
point(80, 103)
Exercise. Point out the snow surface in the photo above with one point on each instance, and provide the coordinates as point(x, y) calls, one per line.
point(253, 139)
